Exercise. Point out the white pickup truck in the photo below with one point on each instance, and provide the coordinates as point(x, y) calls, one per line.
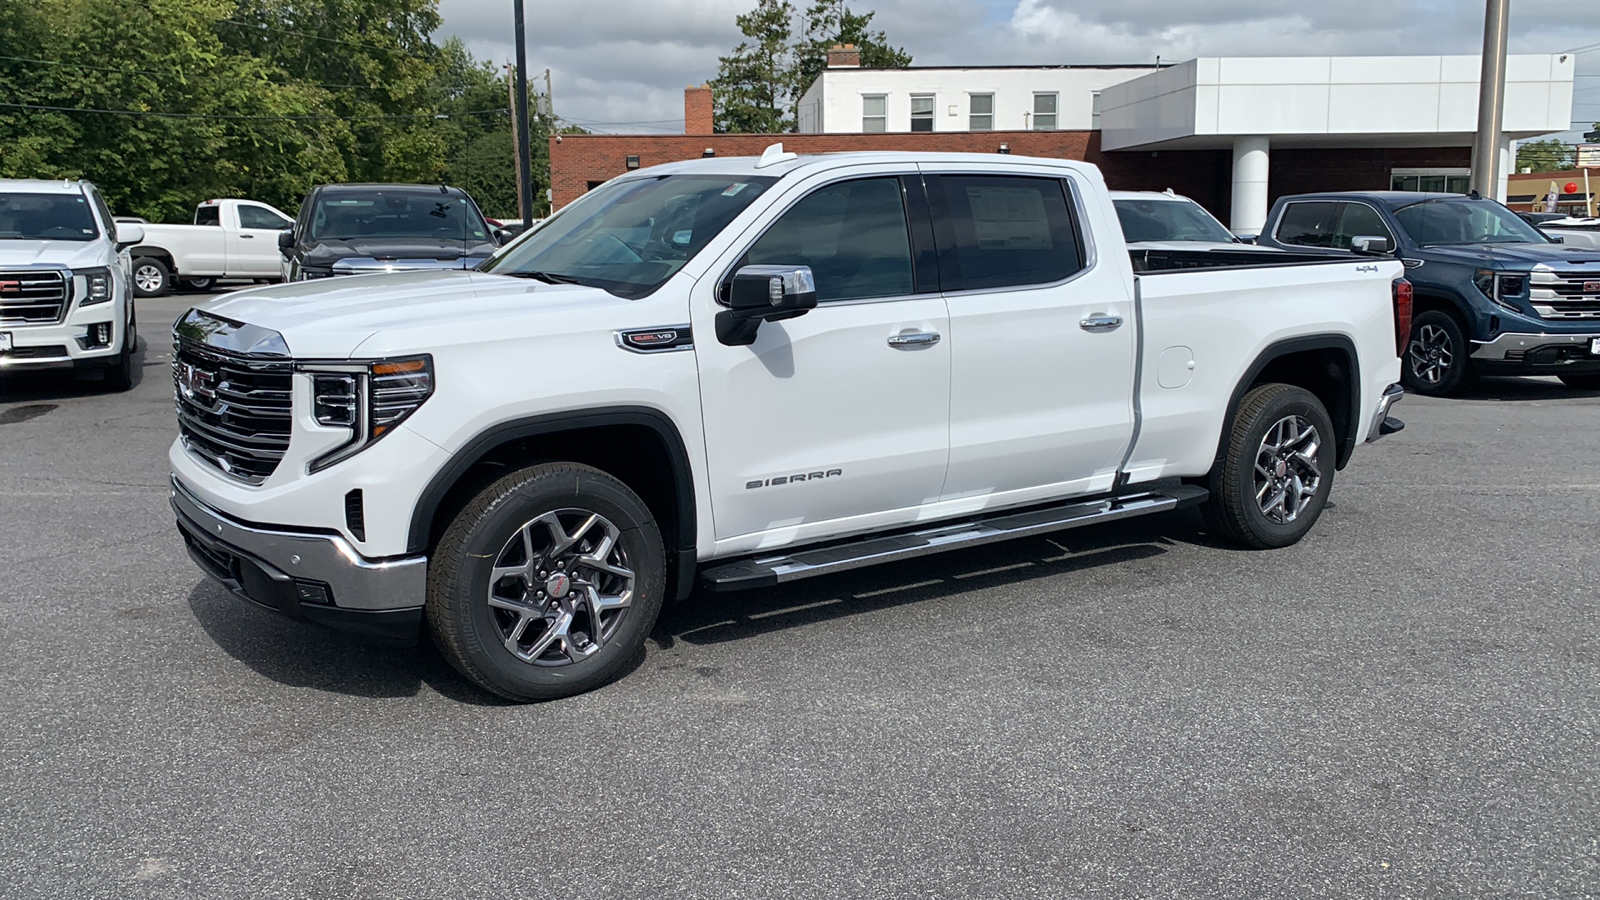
point(739, 372)
point(229, 239)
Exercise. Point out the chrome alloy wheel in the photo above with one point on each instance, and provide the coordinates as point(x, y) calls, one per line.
point(1287, 474)
point(1431, 354)
point(147, 278)
point(560, 587)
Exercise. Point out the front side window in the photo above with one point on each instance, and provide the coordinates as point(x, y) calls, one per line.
point(921, 112)
point(1044, 112)
point(1461, 220)
point(1359, 220)
point(982, 115)
point(46, 217)
point(1006, 230)
point(874, 113)
point(261, 217)
point(630, 235)
point(853, 236)
point(1169, 220)
point(1309, 224)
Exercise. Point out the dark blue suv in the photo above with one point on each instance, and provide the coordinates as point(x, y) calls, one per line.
point(1494, 296)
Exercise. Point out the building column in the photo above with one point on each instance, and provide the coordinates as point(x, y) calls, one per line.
point(1508, 164)
point(1252, 158)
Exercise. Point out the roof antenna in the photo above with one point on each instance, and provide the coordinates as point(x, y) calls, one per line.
point(774, 155)
point(443, 189)
point(1474, 195)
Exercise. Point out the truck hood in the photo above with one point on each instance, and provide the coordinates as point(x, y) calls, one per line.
point(327, 252)
point(1510, 256)
point(65, 253)
point(330, 318)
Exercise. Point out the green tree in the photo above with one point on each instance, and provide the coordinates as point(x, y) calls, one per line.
point(1546, 156)
point(830, 22)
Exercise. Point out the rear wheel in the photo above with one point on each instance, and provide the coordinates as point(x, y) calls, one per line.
point(1436, 356)
point(1277, 470)
point(547, 583)
point(200, 284)
point(151, 277)
point(1581, 382)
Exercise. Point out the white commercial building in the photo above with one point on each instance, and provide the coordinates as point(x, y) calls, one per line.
point(1247, 105)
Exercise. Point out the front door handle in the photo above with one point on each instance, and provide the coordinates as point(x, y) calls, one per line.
point(1100, 322)
point(915, 339)
point(246, 237)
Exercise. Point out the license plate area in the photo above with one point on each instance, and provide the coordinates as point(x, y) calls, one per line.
point(1594, 346)
point(5, 341)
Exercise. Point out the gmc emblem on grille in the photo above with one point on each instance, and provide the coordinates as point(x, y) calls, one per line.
point(1589, 287)
point(196, 384)
point(7, 287)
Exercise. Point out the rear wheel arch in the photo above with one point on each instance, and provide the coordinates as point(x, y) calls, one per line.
point(640, 446)
point(1324, 364)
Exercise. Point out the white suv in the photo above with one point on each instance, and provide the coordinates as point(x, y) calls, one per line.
point(65, 299)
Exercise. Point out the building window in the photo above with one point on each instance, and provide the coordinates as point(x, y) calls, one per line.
point(1044, 112)
point(921, 112)
point(982, 112)
point(1437, 181)
point(874, 113)
point(1094, 110)
point(592, 185)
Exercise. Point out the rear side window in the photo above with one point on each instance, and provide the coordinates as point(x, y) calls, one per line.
point(853, 236)
point(1308, 224)
point(1004, 231)
point(208, 215)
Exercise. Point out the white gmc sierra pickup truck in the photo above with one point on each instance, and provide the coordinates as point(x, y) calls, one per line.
point(746, 371)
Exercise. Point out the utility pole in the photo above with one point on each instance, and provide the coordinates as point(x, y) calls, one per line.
point(511, 97)
point(519, 113)
point(549, 100)
point(1491, 100)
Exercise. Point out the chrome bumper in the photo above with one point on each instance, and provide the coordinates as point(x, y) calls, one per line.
point(1516, 346)
point(1381, 423)
point(281, 569)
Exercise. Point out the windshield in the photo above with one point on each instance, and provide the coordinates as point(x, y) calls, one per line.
point(628, 237)
point(1465, 221)
point(397, 214)
point(46, 217)
point(1169, 220)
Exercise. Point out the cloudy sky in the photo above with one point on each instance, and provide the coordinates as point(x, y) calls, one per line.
point(622, 65)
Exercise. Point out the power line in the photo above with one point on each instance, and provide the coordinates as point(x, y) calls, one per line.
point(237, 117)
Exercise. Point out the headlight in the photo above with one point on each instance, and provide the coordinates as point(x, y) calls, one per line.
point(367, 398)
point(96, 285)
point(1497, 287)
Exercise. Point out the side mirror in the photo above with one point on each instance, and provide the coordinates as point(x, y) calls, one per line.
point(1247, 238)
point(764, 294)
point(286, 241)
point(128, 234)
point(502, 236)
point(1555, 238)
point(1368, 243)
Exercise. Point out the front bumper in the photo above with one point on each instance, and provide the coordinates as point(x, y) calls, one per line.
point(1537, 354)
point(319, 577)
point(67, 345)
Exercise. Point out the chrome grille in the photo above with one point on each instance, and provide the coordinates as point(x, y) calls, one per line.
point(1565, 295)
point(234, 412)
point(33, 297)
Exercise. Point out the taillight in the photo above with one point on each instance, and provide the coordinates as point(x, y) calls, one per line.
point(1402, 316)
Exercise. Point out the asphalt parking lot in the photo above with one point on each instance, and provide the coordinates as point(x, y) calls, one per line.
point(1407, 704)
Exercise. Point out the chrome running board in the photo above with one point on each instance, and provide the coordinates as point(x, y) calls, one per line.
point(765, 571)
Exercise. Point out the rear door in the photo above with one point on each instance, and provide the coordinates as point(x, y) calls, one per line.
point(1042, 337)
point(253, 241)
point(838, 419)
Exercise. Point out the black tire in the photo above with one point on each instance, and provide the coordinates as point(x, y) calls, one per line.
point(119, 377)
point(1235, 511)
point(1581, 382)
point(200, 284)
point(473, 635)
point(151, 277)
point(1436, 363)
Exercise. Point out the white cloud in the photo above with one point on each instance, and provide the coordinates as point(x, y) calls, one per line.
point(622, 65)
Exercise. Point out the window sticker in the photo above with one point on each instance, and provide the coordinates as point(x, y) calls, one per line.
point(733, 191)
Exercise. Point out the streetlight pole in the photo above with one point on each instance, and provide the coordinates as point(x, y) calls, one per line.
point(520, 107)
point(1491, 100)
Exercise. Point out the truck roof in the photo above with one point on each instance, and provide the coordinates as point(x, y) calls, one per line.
point(1390, 199)
point(812, 162)
point(41, 185)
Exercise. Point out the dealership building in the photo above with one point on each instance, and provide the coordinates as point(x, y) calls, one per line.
point(1233, 133)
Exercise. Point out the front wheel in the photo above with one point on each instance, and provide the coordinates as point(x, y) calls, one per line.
point(151, 277)
point(1581, 382)
point(120, 376)
point(547, 583)
point(1276, 471)
point(1436, 355)
point(200, 284)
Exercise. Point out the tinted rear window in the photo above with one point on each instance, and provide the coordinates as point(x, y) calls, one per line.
point(1007, 231)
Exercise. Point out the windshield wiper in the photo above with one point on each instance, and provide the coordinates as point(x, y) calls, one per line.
point(546, 277)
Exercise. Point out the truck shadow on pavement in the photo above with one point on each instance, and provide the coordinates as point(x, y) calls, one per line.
point(58, 384)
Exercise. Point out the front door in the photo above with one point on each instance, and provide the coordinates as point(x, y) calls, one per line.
point(1042, 339)
point(253, 251)
point(838, 419)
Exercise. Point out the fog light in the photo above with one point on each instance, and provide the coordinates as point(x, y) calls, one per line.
point(313, 592)
point(100, 334)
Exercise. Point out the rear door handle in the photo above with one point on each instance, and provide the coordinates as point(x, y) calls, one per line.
point(1100, 322)
point(915, 339)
